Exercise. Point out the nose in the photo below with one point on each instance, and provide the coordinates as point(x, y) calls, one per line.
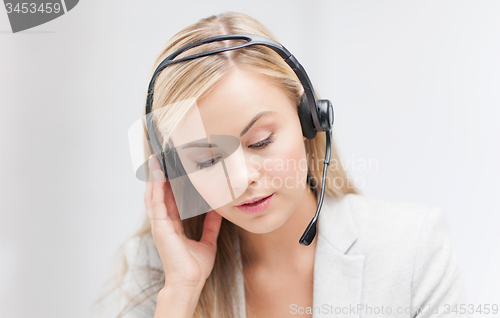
point(253, 166)
point(243, 170)
point(253, 173)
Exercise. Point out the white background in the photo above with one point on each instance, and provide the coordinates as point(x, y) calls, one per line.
point(415, 87)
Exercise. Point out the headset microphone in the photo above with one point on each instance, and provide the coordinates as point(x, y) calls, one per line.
point(310, 231)
point(315, 115)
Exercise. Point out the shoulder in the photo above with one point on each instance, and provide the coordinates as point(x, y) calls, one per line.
point(368, 208)
point(406, 247)
point(140, 251)
point(142, 261)
point(394, 221)
point(390, 234)
point(144, 271)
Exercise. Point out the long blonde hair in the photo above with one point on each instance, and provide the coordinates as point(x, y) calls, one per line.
point(195, 78)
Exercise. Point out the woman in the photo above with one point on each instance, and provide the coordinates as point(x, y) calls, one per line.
point(370, 257)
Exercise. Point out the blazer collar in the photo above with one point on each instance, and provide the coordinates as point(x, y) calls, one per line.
point(338, 276)
point(336, 224)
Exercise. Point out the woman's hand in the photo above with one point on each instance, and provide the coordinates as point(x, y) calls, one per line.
point(187, 263)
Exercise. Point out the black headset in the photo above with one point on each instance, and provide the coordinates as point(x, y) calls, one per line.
point(315, 115)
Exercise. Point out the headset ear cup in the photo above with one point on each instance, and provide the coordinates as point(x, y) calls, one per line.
point(161, 160)
point(172, 165)
point(306, 121)
point(325, 114)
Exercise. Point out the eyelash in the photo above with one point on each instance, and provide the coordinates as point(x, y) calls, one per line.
point(264, 143)
point(208, 163)
point(258, 145)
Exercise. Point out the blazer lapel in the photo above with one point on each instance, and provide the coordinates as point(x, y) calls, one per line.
point(337, 276)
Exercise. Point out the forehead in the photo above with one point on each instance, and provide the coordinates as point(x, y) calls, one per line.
point(237, 98)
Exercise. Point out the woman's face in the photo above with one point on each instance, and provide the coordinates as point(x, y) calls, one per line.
point(256, 112)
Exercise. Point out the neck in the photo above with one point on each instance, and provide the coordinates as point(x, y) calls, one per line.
point(282, 245)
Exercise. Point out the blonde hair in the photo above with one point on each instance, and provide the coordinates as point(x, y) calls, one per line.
point(194, 78)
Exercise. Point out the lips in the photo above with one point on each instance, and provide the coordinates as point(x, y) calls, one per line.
point(253, 200)
point(256, 205)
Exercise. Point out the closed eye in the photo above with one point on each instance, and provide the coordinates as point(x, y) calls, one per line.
point(208, 163)
point(262, 144)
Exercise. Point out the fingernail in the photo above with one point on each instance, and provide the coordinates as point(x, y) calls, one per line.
point(158, 175)
point(149, 161)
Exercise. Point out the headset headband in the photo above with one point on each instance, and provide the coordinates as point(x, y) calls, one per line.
point(251, 40)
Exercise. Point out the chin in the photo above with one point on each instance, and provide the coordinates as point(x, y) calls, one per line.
point(266, 222)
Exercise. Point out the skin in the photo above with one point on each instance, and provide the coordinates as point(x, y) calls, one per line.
point(280, 270)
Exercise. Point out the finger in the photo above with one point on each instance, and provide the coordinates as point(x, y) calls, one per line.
point(157, 203)
point(164, 198)
point(161, 224)
point(211, 228)
point(163, 230)
point(172, 210)
point(169, 199)
point(158, 196)
point(148, 194)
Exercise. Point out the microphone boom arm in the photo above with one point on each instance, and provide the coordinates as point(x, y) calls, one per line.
point(311, 229)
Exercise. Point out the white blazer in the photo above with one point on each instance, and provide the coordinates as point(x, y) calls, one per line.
point(374, 258)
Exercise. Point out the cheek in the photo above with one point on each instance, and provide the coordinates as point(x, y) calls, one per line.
point(288, 164)
point(212, 185)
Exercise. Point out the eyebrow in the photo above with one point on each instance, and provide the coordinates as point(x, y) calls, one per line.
point(199, 144)
point(244, 131)
point(254, 119)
